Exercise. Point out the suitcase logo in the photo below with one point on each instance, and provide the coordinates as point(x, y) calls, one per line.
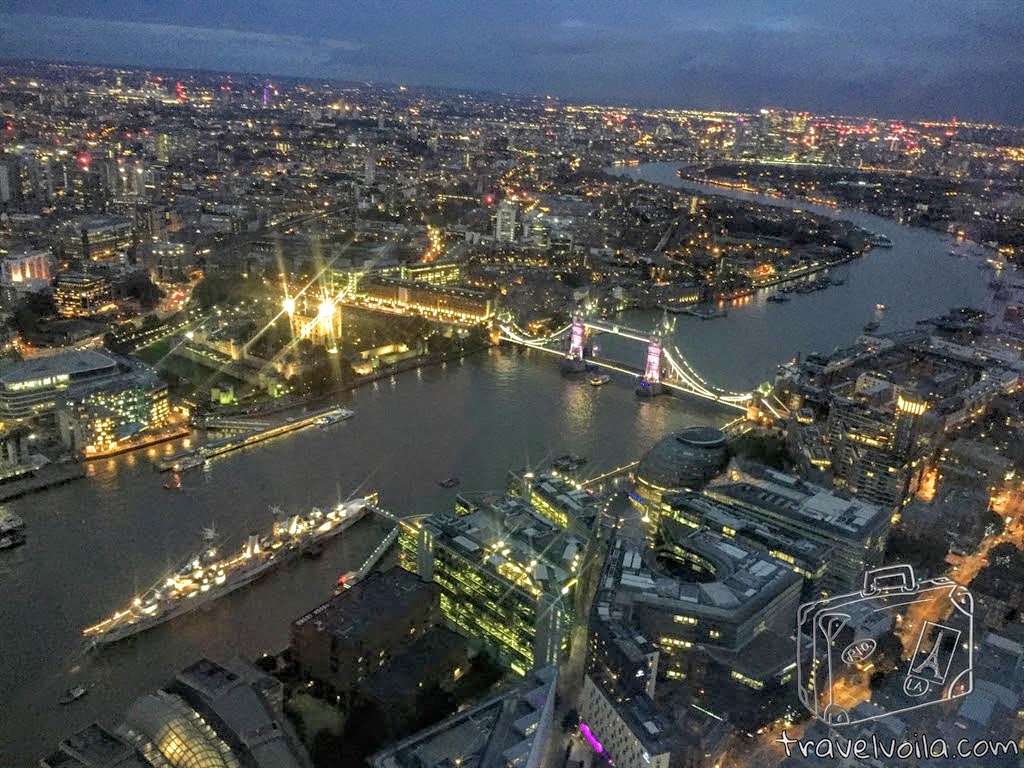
point(898, 644)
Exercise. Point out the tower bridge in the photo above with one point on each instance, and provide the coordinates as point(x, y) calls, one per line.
point(665, 368)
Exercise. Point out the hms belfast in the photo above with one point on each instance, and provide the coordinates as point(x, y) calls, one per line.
point(206, 576)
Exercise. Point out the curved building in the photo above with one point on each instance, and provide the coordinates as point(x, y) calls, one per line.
point(683, 460)
point(163, 726)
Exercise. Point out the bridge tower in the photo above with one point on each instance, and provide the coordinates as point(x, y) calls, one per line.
point(650, 384)
point(573, 361)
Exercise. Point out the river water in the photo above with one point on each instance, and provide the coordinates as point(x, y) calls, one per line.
point(95, 543)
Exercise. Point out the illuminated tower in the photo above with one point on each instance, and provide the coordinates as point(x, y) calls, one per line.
point(573, 361)
point(650, 384)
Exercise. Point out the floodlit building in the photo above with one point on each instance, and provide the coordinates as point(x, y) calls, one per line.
point(25, 271)
point(433, 301)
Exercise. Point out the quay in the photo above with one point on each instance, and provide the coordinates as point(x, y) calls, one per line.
point(251, 437)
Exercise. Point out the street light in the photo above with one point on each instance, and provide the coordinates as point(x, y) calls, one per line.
point(289, 305)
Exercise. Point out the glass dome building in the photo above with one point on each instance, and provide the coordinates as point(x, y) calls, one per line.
point(683, 460)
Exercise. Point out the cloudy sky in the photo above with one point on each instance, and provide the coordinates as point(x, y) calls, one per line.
point(927, 58)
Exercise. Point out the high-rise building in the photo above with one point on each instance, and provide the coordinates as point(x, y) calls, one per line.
point(506, 221)
point(370, 168)
point(507, 577)
point(101, 239)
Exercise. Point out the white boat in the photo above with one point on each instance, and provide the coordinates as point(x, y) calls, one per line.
point(598, 381)
point(333, 418)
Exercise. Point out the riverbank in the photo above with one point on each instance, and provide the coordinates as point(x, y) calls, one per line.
point(45, 477)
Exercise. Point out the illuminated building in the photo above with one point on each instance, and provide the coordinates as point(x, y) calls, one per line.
point(212, 716)
point(873, 451)
point(508, 729)
point(25, 270)
point(33, 387)
point(102, 239)
point(507, 577)
point(435, 273)
point(559, 500)
point(81, 295)
point(506, 221)
point(683, 460)
point(855, 530)
point(100, 416)
point(808, 558)
point(440, 302)
point(352, 635)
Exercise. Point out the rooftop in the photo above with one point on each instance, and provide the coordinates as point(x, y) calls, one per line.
point(67, 364)
point(374, 602)
point(788, 496)
point(511, 539)
point(499, 731)
point(745, 580)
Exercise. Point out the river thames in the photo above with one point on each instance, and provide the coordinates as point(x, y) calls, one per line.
point(95, 543)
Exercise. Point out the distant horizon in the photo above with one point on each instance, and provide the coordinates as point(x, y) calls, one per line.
point(8, 61)
point(932, 59)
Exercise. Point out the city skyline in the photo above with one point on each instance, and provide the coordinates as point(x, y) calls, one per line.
point(911, 60)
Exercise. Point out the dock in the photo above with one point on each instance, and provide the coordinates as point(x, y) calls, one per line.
point(245, 439)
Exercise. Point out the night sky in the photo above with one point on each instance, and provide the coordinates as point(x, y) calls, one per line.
point(927, 58)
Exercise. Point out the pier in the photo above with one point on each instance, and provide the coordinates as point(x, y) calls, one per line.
point(245, 439)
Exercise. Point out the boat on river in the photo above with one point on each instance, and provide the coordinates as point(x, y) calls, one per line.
point(206, 576)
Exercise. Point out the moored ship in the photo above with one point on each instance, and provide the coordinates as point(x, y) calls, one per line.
point(206, 577)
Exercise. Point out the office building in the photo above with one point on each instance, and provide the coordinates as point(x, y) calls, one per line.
point(629, 732)
point(244, 707)
point(507, 576)
point(34, 387)
point(100, 416)
point(509, 729)
point(559, 500)
point(81, 295)
point(209, 716)
point(100, 239)
point(356, 632)
point(853, 529)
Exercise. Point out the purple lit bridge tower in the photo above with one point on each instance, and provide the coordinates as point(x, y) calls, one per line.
point(650, 383)
point(573, 361)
